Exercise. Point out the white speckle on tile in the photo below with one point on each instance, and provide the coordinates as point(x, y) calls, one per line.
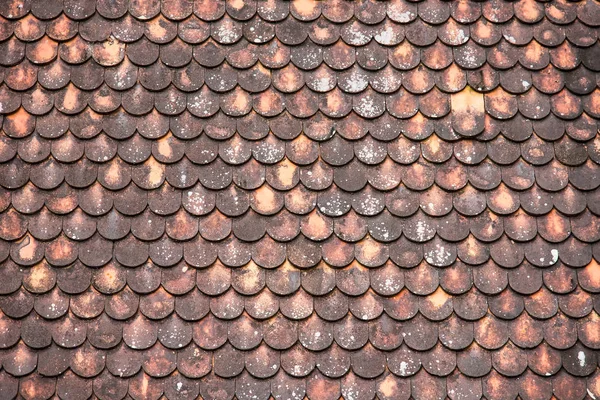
point(581, 358)
point(554, 253)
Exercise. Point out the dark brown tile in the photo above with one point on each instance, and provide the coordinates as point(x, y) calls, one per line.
point(159, 362)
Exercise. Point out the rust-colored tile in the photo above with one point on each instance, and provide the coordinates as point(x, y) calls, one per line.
point(498, 386)
point(465, 12)
point(335, 103)
point(12, 276)
point(559, 331)
point(468, 110)
point(487, 33)
point(422, 280)
point(297, 306)
point(565, 386)
point(284, 226)
point(439, 361)
point(372, 57)
point(305, 10)
point(554, 226)
point(249, 279)
point(404, 362)
point(29, 28)
point(21, 76)
point(506, 55)
point(501, 104)
point(437, 305)
point(454, 227)
point(453, 33)
point(7, 28)
point(12, 225)
point(561, 12)
point(37, 385)
point(175, 333)
point(14, 52)
point(404, 56)
point(262, 306)
point(42, 51)
point(565, 56)
point(302, 104)
point(565, 105)
point(159, 361)
point(576, 304)
point(315, 334)
point(469, 55)
point(268, 103)
point(529, 11)
point(322, 387)
point(27, 251)
point(298, 356)
point(548, 35)
point(245, 333)
point(587, 12)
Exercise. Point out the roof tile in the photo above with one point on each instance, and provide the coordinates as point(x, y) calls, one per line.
point(488, 183)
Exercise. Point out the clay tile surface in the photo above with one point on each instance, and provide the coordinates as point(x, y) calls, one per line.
point(304, 199)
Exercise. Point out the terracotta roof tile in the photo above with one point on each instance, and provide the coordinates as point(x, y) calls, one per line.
point(197, 199)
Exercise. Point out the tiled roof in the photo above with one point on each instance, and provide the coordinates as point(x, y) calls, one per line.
point(307, 199)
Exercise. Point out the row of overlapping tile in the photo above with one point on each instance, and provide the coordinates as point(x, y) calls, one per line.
point(285, 179)
point(314, 386)
point(355, 279)
point(485, 30)
point(458, 327)
point(159, 350)
point(302, 102)
point(268, 141)
point(294, 145)
point(579, 145)
point(368, 12)
point(385, 68)
point(367, 165)
point(452, 31)
point(72, 88)
point(392, 215)
point(388, 44)
point(76, 350)
point(434, 68)
point(498, 163)
point(302, 252)
point(289, 79)
point(423, 112)
point(284, 321)
point(267, 316)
